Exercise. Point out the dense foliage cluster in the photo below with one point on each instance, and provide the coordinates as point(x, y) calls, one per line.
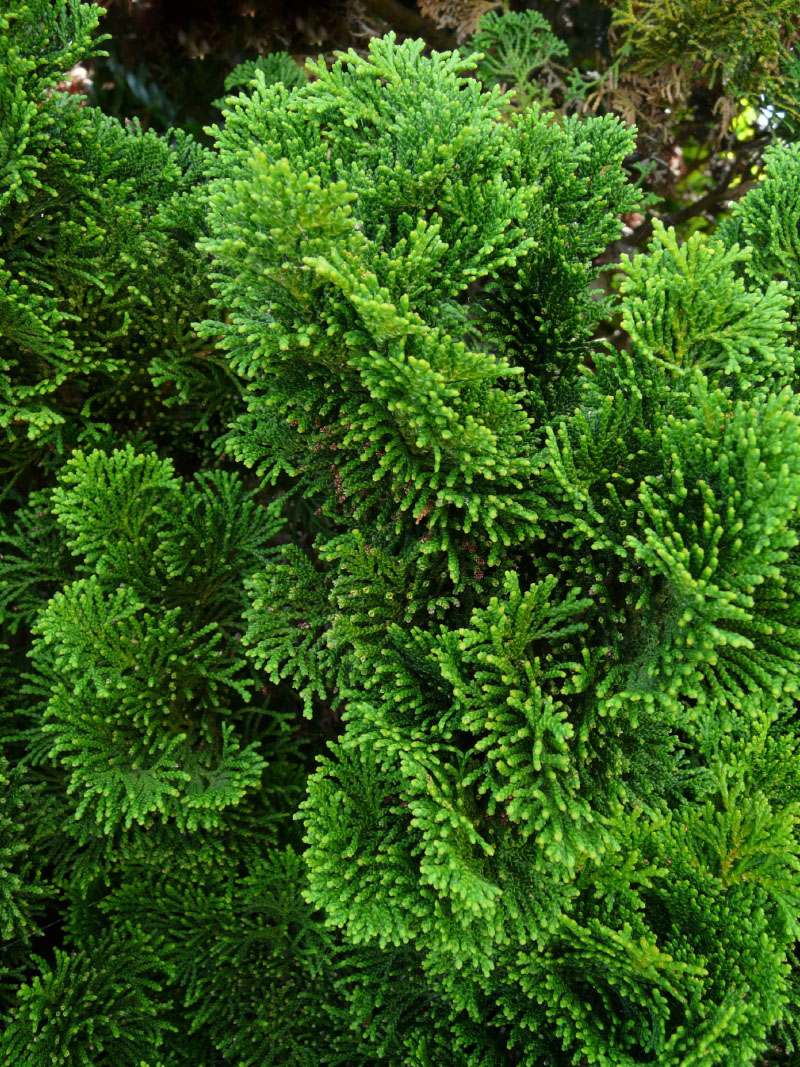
point(392, 671)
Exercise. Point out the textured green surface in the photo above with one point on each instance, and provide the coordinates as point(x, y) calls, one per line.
point(390, 671)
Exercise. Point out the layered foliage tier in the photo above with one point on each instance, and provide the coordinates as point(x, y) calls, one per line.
point(393, 671)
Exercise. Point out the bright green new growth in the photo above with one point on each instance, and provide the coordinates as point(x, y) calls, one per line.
point(553, 589)
point(366, 248)
point(705, 317)
point(768, 219)
point(276, 67)
point(540, 592)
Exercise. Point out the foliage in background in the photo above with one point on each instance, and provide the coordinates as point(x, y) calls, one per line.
point(704, 41)
point(276, 67)
point(680, 71)
point(705, 85)
point(99, 280)
point(515, 47)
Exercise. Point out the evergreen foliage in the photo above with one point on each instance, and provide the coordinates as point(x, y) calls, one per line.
point(514, 47)
point(554, 592)
point(768, 221)
point(393, 671)
point(99, 279)
point(276, 67)
point(49, 1023)
point(146, 736)
point(137, 732)
point(742, 46)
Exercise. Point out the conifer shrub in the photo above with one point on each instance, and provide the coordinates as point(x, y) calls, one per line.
point(148, 771)
point(529, 599)
point(514, 48)
point(768, 221)
point(553, 593)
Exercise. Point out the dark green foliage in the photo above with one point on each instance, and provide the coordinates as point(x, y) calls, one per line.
point(158, 763)
point(252, 973)
point(142, 689)
point(138, 744)
point(48, 1023)
point(20, 868)
point(99, 280)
